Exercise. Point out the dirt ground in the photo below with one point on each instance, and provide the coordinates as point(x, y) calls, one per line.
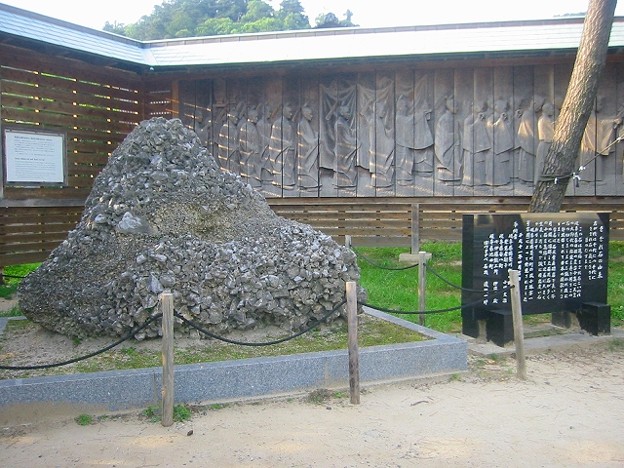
point(568, 413)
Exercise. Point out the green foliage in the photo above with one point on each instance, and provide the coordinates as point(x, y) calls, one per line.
point(152, 413)
point(12, 312)
point(398, 290)
point(371, 332)
point(615, 291)
point(14, 275)
point(192, 18)
point(330, 20)
point(84, 420)
point(181, 413)
point(217, 406)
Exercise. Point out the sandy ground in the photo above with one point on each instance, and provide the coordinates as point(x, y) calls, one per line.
point(568, 413)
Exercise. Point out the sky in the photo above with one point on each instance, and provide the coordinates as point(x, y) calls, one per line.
point(366, 13)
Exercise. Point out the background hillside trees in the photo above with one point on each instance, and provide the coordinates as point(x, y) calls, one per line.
point(191, 18)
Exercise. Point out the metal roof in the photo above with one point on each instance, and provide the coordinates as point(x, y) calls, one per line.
point(23, 24)
point(309, 45)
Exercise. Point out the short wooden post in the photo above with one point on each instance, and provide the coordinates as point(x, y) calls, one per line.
point(348, 241)
point(518, 327)
point(415, 228)
point(423, 257)
point(354, 359)
point(166, 305)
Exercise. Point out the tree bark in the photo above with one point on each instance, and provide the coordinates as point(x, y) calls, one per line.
point(559, 164)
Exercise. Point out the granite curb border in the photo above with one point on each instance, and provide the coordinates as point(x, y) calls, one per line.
point(243, 379)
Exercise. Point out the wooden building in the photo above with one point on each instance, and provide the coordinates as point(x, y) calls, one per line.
point(345, 129)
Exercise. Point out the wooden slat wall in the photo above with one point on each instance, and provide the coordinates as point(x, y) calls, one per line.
point(29, 234)
point(387, 222)
point(96, 107)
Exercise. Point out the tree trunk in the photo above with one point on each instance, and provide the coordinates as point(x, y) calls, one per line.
point(560, 162)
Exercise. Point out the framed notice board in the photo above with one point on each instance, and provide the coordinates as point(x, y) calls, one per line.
point(33, 156)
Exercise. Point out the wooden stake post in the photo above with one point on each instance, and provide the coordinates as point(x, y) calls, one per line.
point(423, 257)
point(518, 327)
point(166, 304)
point(415, 247)
point(354, 360)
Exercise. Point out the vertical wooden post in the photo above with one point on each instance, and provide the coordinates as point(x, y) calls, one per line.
point(415, 228)
point(518, 327)
point(348, 241)
point(423, 258)
point(354, 359)
point(166, 305)
point(422, 285)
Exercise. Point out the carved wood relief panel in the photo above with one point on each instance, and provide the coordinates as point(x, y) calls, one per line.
point(404, 132)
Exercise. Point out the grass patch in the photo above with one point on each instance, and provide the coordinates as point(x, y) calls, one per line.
point(84, 420)
point(13, 276)
point(12, 312)
point(139, 355)
point(372, 332)
point(398, 290)
point(181, 413)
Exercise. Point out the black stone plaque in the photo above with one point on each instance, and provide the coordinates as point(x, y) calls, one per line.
point(562, 259)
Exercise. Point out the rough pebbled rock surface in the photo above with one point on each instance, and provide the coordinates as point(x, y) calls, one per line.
point(161, 215)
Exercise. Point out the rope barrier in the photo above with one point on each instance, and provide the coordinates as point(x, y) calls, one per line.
point(267, 343)
point(129, 335)
point(439, 311)
point(202, 330)
point(4, 275)
point(435, 273)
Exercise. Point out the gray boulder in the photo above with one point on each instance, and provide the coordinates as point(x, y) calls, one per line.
point(162, 216)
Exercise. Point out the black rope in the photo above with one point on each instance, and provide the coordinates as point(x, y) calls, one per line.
point(129, 335)
point(268, 343)
point(378, 265)
point(11, 276)
point(439, 311)
point(435, 273)
point(419, 312)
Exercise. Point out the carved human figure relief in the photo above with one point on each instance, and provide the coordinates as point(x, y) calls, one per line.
point(384, 147)
point(307, 151)
point(366, 129)
point(447, 146)
point(264, 131)
point(477, 143)
point(498, 168)
point(202, 126)
point(526, 139)
point(423, 137)
point(545, 134)
point(228, 150)
point(597, 143)
point(282, 149)
point(404, 141)
point(345, 150)
point(250, 145)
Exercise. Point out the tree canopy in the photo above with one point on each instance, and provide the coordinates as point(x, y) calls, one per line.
point(191, 18)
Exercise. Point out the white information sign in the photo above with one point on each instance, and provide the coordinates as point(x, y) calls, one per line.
point(34, 157)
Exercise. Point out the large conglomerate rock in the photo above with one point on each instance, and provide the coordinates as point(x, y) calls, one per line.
point(162, 216)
